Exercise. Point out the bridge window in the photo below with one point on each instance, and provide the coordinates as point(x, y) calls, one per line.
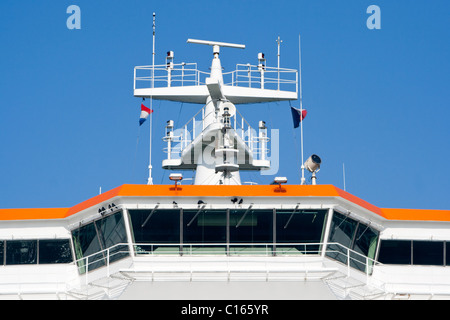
point(21, 252)
point(156, 227)
point(428, 253)
point(92, 240)
point(55, 251)
point(395, 252)
point(249, 229)
point(415, 252)
point(365, 243)
point(359, 237)
point(301, 227)
point(42, 251)
point(228, 231)
point(2, 252)
point(342, 231)
point(86, 244)
point(208, 227)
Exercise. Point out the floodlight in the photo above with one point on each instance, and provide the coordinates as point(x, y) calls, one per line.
point(176, 177)
point(279, 180)
point(313, 163)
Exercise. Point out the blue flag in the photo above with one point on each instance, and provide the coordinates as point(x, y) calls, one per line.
point(298, 116)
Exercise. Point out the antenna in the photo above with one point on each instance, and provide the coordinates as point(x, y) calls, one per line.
point(279, 41)
point(301, 105)
point(150, 179)
point(343, 173)
point(215, 43)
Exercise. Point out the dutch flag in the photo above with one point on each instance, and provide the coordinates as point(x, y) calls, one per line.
point(298, 116)
point(144, 114)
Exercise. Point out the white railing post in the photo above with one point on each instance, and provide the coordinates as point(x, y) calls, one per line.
point(87, 270)
point(107, 261)
point(348, 262)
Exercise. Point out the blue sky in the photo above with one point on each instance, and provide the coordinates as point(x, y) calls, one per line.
point(377, 100)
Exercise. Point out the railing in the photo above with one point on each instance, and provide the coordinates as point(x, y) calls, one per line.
point(251, 76)
point(349, 258)
point(187, 74)
point(183, 74)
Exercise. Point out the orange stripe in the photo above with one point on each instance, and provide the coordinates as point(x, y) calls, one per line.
point(31, 214)
point(360, 202)
point(202, 191)
point(94, 201)
point(416, 214)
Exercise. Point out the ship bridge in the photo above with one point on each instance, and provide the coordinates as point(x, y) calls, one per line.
point(224, 242)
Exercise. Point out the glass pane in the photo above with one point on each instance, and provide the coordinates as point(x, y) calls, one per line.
point(304, 226)
point(366, 244)
point(21, 252)
point(2, 252)
point(342, 231)
point(207, 227)
point(251, 228)
point(163, 227)
point(111, 233)
point(428, 253)
point(395, 252)
point(447, 253)
point(86, 243)
point(55, 251)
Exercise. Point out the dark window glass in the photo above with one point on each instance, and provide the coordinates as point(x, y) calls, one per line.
point(365, 243)
point(112, 233)
point(163, 227)
point(55, 251)
point(205, 226)
point(342, 231)
point(395, 252)
point(428, 253)
point(2, 252)
point(86, 243)
point(251, 227)
point(21, 252)
point(447, 253)
point(303, 226)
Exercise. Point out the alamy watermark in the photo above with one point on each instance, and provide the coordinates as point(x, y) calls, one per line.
point(374, 20)
point(211, 151)
point(74, 20)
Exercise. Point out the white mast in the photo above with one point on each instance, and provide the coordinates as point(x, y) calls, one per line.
point(225, 145)
point(150, 179)
point(301, 106)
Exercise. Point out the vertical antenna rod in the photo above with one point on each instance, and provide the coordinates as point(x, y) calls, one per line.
point(150, 179)
point(343, 173)
point(279, 41)
point(301, 106)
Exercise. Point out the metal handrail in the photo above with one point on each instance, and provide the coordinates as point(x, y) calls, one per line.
point(134, 250)
point(244, 75)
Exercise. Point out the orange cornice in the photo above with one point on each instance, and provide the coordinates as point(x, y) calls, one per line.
point(129, 190)
point(32, 214)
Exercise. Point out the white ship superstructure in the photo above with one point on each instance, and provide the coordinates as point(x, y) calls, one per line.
point(219, 238)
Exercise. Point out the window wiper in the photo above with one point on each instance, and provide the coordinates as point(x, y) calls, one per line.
point(198, 212)
point(150, 215)
point(246, 211)
point(292, 215)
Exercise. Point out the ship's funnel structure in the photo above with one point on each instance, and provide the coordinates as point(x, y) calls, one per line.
point(217, 142)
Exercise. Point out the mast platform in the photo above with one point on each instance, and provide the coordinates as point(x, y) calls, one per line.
point(184, 83)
